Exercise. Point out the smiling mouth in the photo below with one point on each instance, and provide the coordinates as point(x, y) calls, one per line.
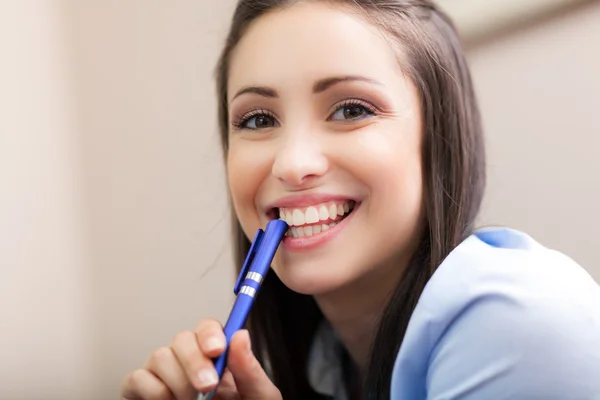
point(313, 220)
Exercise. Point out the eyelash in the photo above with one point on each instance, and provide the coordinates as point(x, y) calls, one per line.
point(240, 121)
point(369, 108)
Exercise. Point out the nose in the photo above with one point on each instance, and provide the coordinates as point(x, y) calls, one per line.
point(299, 161)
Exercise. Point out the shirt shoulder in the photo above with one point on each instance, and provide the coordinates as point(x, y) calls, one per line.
point(503, 317)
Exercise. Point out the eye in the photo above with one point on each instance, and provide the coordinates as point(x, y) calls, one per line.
point(255, 120)
point(260, 122)
point(352, 110)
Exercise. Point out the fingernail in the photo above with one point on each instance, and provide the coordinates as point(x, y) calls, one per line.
point(212, 344)
point(207, 377)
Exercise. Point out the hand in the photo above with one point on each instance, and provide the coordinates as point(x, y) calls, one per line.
point(185, 368)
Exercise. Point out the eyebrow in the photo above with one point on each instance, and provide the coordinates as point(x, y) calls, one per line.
point(259, 90)
point(319, 86)
point(324, 84)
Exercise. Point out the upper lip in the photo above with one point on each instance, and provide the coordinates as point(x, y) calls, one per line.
point(305, 200)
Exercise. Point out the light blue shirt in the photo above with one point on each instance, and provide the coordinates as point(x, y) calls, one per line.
point(502, 318)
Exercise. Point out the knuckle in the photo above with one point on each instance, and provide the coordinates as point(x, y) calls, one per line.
point(182, 337)
point(255, 368)
point(135, 378)
point(164, 393)
point(161, 355)
point(207, 325)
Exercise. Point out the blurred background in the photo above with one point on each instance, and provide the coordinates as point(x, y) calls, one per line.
point(113, 205)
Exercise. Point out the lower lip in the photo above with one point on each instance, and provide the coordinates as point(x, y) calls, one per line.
point(320, 239)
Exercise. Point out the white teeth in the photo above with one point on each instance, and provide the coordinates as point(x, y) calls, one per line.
point(307, 231)
point(312, 215)
point(323, 213)
point(333, 211)
point(298, 218)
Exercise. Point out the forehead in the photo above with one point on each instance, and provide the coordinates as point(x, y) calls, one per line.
point(310, 41)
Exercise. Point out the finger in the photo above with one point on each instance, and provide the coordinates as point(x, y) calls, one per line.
point(143, 385)
point(211, 337)
point(226, 389)
point(197, 367)
point(251, 380)
point(164, 364)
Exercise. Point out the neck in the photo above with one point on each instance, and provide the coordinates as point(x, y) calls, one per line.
point(355, 310)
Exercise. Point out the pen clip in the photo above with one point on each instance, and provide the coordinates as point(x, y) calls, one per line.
point(249, 259)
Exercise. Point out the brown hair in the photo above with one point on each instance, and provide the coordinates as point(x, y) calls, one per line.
point(283, 323)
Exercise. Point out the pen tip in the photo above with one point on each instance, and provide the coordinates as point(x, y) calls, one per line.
point(207, 396)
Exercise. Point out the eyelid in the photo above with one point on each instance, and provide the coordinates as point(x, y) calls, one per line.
point(239, 120)
point(355, 101)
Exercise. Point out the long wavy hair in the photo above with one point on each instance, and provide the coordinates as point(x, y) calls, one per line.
point(283, 323)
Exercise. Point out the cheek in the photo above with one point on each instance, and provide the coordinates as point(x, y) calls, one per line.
point(392, 169)
point(403, 179)
point(390, 163)
point(402, 184)
point(394, 213)
point(246, 172)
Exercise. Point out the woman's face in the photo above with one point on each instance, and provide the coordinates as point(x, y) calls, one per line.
point(325, 132)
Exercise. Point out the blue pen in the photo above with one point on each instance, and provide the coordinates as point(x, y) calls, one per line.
point(255, 268)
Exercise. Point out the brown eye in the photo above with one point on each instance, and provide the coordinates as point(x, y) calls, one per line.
point(263, 121)
point(351, 112)
point(256, 121)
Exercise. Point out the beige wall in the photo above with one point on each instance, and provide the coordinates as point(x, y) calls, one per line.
point(113, 202)
point(152, 176)
point(539, 95)
point(45, 342)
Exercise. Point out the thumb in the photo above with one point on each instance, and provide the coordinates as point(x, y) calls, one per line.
point(250, 378)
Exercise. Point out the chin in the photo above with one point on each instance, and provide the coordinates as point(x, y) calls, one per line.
point(308, 286)
point(310, 278)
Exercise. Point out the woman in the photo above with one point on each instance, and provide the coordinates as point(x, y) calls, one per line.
point(356, 122)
